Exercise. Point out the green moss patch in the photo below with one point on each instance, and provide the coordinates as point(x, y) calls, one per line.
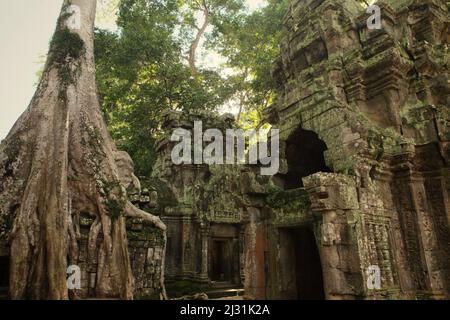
point(65, 47)
point(295, 198)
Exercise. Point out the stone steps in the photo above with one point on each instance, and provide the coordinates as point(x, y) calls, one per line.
point(224, 290)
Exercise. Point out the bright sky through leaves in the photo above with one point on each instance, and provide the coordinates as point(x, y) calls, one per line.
point(26, 28)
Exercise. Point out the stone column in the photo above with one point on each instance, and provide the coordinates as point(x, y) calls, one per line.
point(205, 248)
point(420, 228)
point(254, 269)
point(241, 254)
point(334, 198)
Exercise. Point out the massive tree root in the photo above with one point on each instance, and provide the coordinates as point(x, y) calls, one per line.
point(57, 163)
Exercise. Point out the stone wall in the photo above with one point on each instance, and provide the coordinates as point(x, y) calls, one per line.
point(201, 204)
point(146, 246)
point(364, 179)
point(379, 100)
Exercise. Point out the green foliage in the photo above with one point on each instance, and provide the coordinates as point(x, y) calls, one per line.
point(219, 11)
point(250, 44)
point(141, 73)
point(142, 70)
point(65, 45)
point(288, 199)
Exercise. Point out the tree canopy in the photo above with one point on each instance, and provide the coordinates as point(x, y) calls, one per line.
point(150, 65)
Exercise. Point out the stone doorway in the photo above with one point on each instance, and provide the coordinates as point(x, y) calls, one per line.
point(301, 268)
point(224, 254)
point(221, 260)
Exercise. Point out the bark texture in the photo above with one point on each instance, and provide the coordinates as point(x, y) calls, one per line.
point(58, 162)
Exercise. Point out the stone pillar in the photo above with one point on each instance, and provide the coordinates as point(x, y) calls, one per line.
point(255, 286)
point(187, 250)
point(242, 254)
point(420, 228)
point(334, 199)
point(205, 248)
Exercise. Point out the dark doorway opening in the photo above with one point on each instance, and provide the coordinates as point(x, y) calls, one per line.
point(305, 156)
point(308, 268)
point(4, 276)
point(221, 261)
point(301, 268)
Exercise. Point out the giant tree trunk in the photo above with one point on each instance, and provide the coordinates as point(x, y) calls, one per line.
point(57, 162)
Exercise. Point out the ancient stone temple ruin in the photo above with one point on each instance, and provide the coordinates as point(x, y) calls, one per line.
point(364, 181)
point(364, 116)
point(203, 208)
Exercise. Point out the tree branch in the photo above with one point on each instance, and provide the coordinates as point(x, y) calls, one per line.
point(133, 212)
point(198, 37)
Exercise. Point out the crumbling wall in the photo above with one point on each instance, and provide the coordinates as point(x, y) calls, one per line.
point(379, 100)
point(208, 200)
point(368, 110)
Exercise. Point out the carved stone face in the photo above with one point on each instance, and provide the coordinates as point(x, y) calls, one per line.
point(125, 167)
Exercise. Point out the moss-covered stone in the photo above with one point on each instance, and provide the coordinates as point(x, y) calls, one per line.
point(181, 288)
point(153, 235)
point(165, 196)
